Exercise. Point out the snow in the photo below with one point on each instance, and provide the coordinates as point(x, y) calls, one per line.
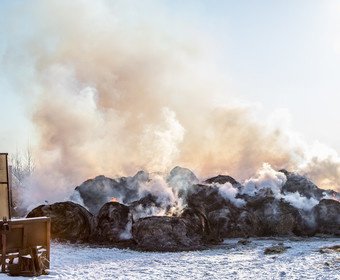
point(228, 261)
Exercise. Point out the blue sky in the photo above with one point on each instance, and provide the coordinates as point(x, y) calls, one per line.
point(278, 54)
point(282, 54)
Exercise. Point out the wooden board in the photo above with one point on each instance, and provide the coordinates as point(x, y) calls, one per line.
point(3, 168)
point(4, 187)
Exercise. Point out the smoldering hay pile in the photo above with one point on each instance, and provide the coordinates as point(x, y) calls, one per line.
point(110, 91)
point(177, 212)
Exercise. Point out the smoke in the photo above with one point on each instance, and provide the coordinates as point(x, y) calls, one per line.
point(300, 202)
point(141, 212)
point(126, 234)
point(111, 92)
point(323, 165)
point(229, 192)
point(265, 179)
point(163, 141)
point(158, 187)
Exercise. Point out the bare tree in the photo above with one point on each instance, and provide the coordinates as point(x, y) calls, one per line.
point(23, 164)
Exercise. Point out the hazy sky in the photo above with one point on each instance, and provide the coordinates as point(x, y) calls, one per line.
point(277, 54)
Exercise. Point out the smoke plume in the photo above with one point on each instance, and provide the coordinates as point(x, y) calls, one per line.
point(112, 93)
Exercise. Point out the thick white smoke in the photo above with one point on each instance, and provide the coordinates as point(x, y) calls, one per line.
point(300, 202)
point(158, 187)
point(111, 93)
point(228, 191)
point(265, 179)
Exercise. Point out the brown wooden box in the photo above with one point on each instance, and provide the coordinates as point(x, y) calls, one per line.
point(24, 234)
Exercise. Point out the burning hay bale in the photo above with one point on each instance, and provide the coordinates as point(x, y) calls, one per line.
point(198, 223)
point(227, 216)
point(94, 193)
point(162, 234)
point(297, 183)
point(181, 181)
point(145, 207)
point(274, 217)
point(327, 214)
point(114, 222)
point(69, 221)
point(165, 234)
point(222, 179)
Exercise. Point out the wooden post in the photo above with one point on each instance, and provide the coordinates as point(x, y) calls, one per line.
point(48, 242)
point(5, 210)
point(3, 253)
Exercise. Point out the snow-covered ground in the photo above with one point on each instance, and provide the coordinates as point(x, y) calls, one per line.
point(229, 261)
